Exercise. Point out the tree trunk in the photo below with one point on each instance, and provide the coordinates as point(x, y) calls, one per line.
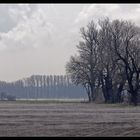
point(92, 93)
point(88, 92)
point(119, 98)
point(108, 88)
point(103, 88)
point(89, 89)
point(134, 98)
point(89, 98)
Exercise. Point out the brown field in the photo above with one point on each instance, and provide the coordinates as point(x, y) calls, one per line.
point(68, 119)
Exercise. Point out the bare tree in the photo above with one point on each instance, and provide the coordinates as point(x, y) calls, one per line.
point(107, 61)
point(82, 68)
point(112, 74)
point(126, 40)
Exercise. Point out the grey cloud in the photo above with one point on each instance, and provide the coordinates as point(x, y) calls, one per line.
point(31, 30)
point(128, 7)
point(9, 12)
point(97, 11)
point(6, 22)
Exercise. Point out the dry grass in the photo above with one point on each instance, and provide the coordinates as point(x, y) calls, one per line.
point(68, 119)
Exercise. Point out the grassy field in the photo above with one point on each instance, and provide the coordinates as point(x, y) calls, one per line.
point(43, 118)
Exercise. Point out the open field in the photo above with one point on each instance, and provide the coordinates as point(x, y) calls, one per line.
point(68, 119)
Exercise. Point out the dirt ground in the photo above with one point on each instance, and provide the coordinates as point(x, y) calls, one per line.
point(68, 119)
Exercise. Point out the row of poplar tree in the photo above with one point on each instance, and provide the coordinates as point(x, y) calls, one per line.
point(43, 86)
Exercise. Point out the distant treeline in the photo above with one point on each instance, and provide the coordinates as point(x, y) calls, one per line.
point(42, 86)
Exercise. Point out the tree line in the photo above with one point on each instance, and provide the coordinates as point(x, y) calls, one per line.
point(108, 60)
point(43, 86)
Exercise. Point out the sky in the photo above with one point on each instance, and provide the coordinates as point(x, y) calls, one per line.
point(40, 38)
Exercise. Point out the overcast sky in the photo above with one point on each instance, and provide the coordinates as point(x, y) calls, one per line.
point(40, 38)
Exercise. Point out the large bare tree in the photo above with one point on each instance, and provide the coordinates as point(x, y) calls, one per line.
point(126, 40)
point(82, 68)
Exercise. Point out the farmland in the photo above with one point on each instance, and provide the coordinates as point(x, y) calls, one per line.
point(28, 118)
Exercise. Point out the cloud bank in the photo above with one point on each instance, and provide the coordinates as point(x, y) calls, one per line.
point(113, 11)
point(40, 38)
